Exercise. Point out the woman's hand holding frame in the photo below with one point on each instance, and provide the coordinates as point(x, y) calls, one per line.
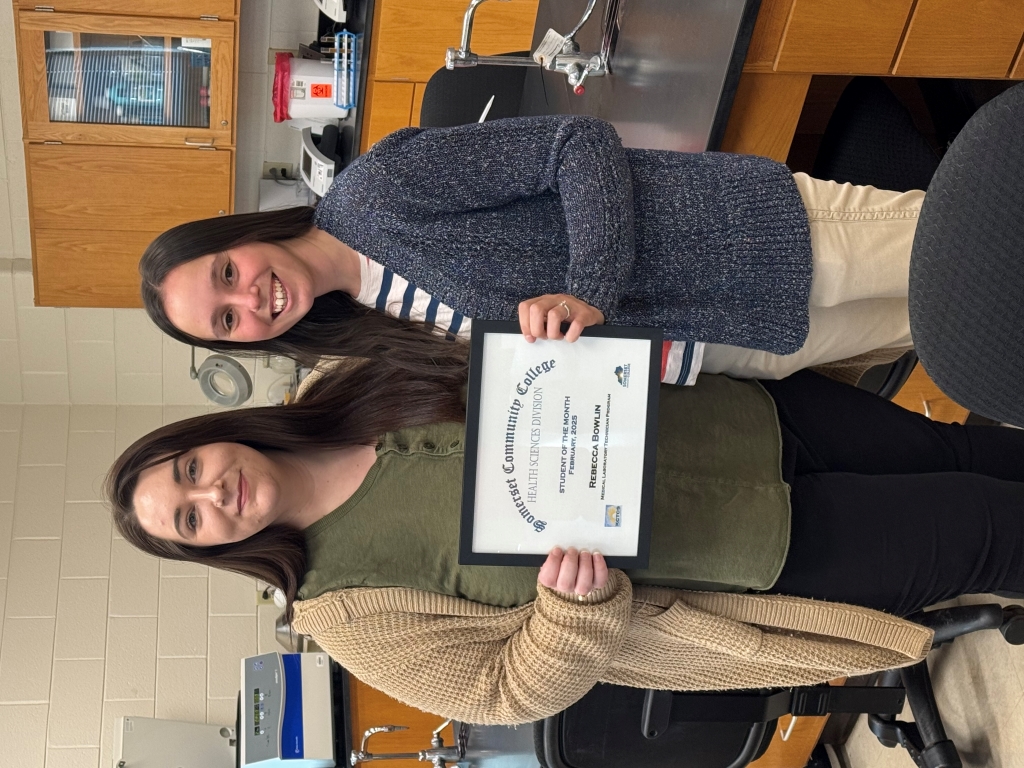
point(571, 571)
point(542, 317)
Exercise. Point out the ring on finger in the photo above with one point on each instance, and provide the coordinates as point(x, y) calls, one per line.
point(565, 306)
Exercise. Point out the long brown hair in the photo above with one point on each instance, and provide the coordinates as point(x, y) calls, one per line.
point(336, 325)
point(352, 405)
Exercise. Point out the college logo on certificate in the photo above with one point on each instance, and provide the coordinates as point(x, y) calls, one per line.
point(560, 443)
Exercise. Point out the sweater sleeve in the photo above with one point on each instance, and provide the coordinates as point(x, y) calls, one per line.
point(503, 667)
point(472, 167)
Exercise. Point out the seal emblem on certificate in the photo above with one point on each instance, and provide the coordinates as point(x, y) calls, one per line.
point(560, 445)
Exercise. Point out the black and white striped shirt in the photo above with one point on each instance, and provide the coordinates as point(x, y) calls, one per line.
point(392, 294)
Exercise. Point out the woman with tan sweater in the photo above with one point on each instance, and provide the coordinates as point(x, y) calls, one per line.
point(770, 499)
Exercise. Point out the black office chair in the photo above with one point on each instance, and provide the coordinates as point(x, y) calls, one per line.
point(662, 729)
point(888, 379)
point(871, 139)
point(618, 727)
point(459, 96)
point(731, 730)
point(967, 270)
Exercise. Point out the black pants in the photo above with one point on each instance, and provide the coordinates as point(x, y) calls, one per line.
point(892, 510)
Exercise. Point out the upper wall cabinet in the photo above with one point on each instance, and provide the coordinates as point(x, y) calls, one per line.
point(951, 38)
point(912, 38)
point(842, 36)
point(127, 79)
point(189, 9)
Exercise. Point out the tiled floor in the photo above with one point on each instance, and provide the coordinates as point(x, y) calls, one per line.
point(979, 686)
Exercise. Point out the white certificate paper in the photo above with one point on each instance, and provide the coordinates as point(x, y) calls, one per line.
point(560, 445)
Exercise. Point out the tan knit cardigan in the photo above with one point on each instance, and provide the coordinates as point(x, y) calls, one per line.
point(487, 665)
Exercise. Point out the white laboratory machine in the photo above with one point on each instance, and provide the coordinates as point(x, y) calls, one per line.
point(285, 719)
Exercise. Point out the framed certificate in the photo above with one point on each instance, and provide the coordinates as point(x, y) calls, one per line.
point(560, 445)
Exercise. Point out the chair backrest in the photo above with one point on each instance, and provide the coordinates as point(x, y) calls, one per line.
point(871, 139)
point(967, 265)
point(887, 380)
point(602, 730)
point(459, 96)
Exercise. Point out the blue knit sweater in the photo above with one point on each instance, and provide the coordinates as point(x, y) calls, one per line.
point(710, 247)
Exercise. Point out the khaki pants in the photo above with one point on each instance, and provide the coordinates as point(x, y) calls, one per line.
point(860, 242)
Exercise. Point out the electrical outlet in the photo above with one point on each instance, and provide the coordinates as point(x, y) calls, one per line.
point(278, 170)
point(263, 597)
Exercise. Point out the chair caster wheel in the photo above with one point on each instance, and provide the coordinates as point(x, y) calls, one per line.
point(1013, 624)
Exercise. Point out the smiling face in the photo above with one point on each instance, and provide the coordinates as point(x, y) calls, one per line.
point(253, 292)
point(215, 494)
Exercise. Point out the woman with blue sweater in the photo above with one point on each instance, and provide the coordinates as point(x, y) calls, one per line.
point(550, 220)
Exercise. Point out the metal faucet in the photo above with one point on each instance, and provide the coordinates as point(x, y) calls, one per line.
point(438, 754)
point(556, 53)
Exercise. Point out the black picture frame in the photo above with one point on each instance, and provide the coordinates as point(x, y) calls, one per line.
point(481, 329)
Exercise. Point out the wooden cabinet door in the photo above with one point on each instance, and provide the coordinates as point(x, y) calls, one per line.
point(95, 208)
point(87, 268)
point(951, 38)
point(369, 708)
point(1017, 72)
point(795, 750)
point(127, 80)
point(189, 9)
point(842, 36)
point(388, 108)
point(412, 36)
point(765, 113)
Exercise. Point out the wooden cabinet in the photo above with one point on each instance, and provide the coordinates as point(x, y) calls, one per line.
point(191, 9)
point(95, 208)
point(129, 128)
point(802, 733)
point(914, 38)
point(1017, 71)
point(391, 109)
point(765, 113)
point(921, 395)
point(842, 36)
point(417, 103)
point(127, 79)
point(126, 188)
point(795, 39)
point(369, 707)
point(764, 42)
point(408, 45)
point(951, 38)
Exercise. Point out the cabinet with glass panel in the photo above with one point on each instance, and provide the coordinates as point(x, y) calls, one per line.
point(129, 128)
point(189, 9)
point(127, 80)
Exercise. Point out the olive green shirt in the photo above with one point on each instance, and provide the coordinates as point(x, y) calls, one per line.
point(721, 508)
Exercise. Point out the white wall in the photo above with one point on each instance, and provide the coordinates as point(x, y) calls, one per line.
point(93, 629)
point(93, 356)
point(265, 25)
point(89, 628)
